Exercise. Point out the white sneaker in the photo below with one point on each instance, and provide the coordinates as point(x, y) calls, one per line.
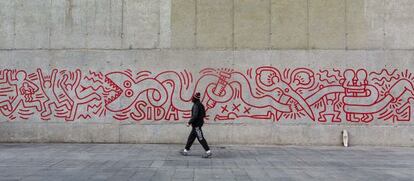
point(207, 154)
point(184, 152)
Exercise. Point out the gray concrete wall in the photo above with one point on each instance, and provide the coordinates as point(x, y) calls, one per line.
point(286, 61)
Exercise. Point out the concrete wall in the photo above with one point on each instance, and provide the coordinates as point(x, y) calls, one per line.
point(289, 71)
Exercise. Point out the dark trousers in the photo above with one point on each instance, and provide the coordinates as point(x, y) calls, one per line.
point(196, 132)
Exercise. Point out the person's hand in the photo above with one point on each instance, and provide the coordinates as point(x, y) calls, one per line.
point(188, 124)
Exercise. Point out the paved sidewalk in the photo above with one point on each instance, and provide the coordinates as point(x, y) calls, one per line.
point(162, 162)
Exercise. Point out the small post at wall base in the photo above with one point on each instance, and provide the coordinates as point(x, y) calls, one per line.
point(345, 138)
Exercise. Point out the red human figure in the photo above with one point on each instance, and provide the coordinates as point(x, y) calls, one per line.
point(48, 84)
point(27, 91)
point(7, 91)
point(70, 90)
point(62, 99)
point(348, 84)
point(329, 108)
point(358, 88)
point(361, 82)
point(24, 93)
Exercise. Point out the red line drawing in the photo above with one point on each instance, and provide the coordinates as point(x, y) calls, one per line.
point(261, 93)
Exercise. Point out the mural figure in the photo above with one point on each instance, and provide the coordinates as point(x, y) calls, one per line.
point(261, 93)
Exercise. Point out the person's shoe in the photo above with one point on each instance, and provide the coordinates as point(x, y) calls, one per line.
point(184, 152)
point(207, 155)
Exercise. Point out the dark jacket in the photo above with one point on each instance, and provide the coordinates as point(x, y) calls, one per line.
point(198, 113)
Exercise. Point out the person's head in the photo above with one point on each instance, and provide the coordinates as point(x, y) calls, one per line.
point(47, 84)
point(196, 97)
point(361, 75)
point(349, 75)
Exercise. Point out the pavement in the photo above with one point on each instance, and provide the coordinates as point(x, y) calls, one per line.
point(163, 162)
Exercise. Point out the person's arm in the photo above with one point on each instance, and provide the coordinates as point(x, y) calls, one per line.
point(53, 78)
point(194, 114)
point(78, 76)
point(41, 80)
point(63, 82)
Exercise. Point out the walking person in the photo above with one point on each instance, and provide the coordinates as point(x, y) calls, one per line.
point(196, 122)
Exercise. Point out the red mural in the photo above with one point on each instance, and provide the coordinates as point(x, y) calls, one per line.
point(263, 93)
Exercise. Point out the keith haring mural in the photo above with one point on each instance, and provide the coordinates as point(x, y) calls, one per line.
point(262, 93)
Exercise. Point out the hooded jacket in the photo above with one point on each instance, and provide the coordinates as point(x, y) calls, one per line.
point(198, 113)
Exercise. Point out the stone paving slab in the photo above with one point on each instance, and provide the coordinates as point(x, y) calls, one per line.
point(93, 162)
